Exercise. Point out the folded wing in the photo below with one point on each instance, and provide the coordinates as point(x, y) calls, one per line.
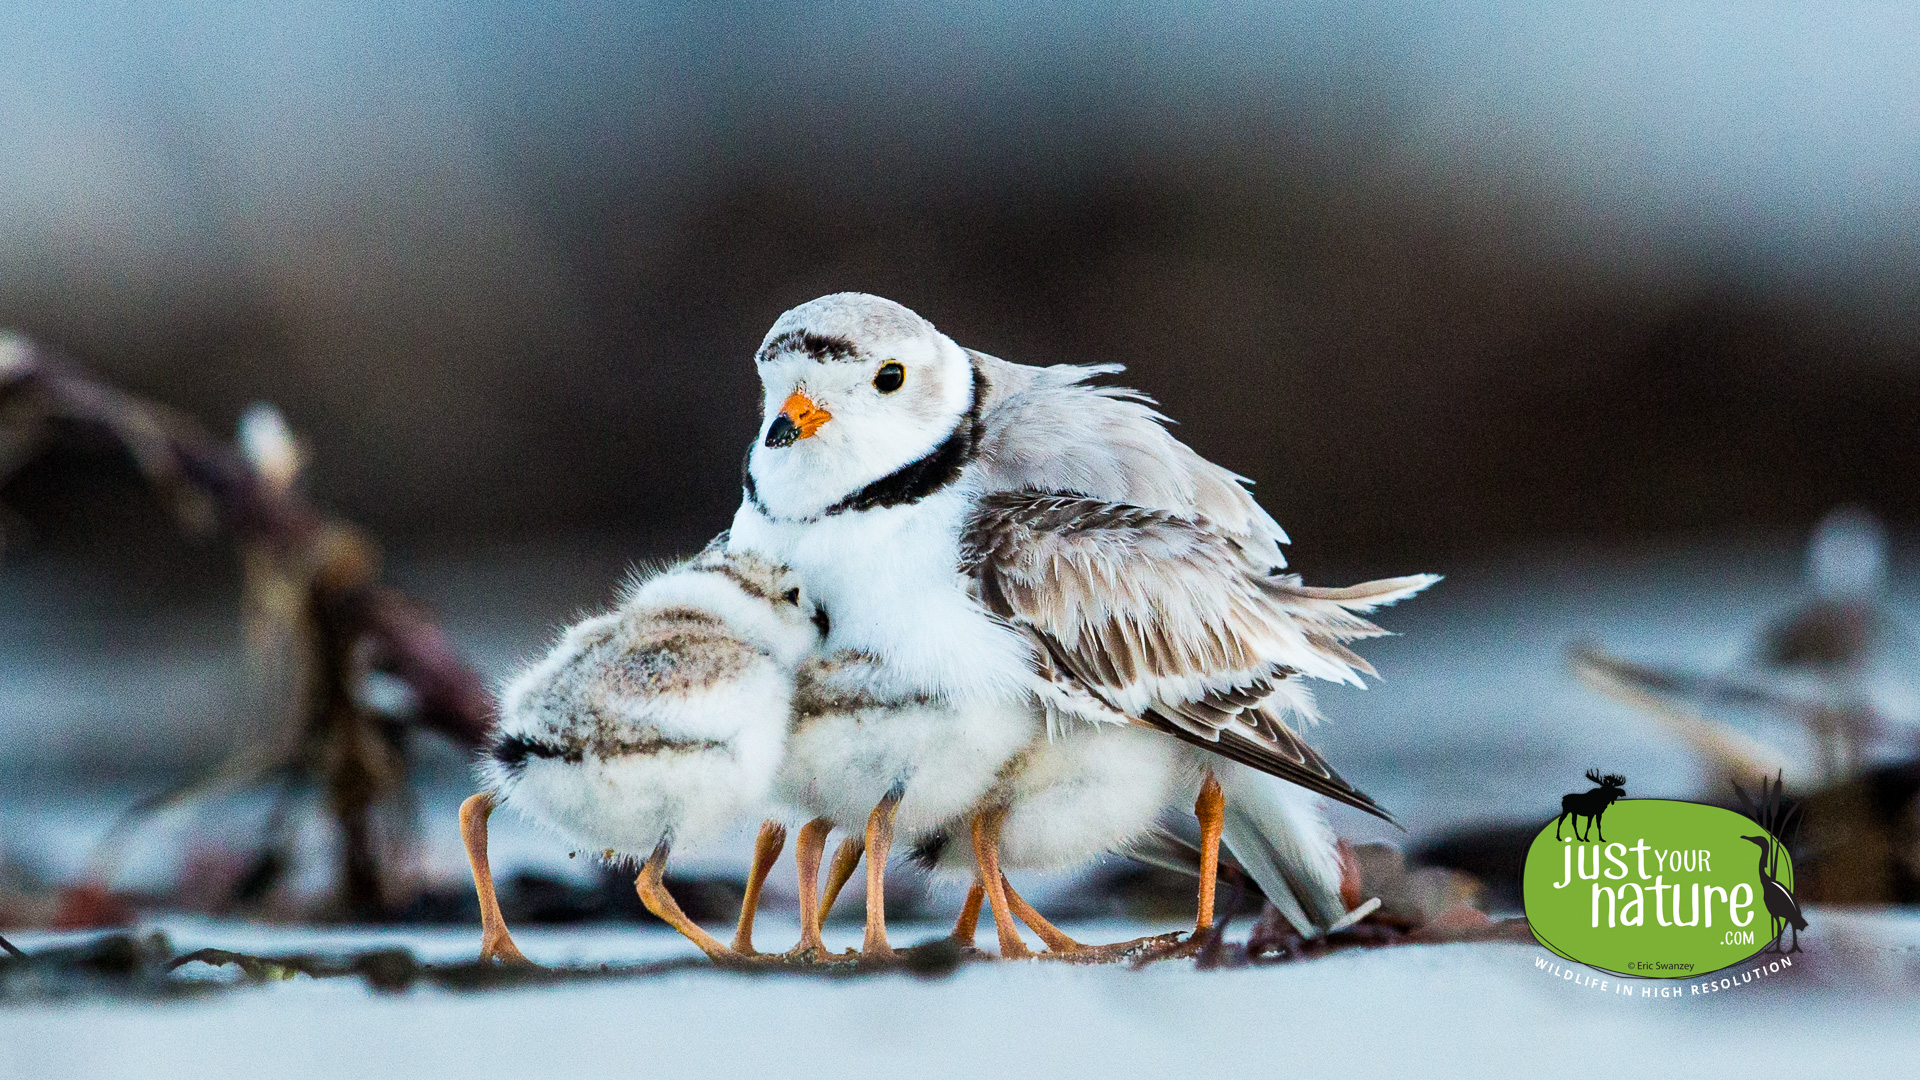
point(1169, 623)
point(1052, 429)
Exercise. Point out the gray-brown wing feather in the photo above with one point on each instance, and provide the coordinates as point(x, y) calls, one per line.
point(1173, 625)
point(1049, 429)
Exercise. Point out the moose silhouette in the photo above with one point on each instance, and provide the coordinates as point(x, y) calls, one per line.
point(1591, 804)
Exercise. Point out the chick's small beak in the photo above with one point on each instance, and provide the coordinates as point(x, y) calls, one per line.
point(799, 418)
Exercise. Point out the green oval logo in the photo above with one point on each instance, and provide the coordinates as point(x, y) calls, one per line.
point(1666, 890)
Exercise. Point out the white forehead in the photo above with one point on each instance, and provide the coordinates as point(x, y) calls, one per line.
point(856, 319)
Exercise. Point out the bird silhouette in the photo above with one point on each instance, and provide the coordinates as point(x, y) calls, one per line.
point(1781, 906)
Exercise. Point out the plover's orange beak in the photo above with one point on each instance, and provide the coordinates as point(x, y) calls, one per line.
point(799, 418)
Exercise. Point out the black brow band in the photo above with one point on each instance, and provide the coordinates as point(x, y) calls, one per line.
point(819, 346)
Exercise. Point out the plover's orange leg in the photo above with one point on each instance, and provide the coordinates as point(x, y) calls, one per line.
point(806, 858)
point(1049, 933)
point(879, 840)
point(845, 860)
point(969, 921)
point(653, 893)
point(986, 854)
point(495, 942)
point(1211, 809)
point(766, 848)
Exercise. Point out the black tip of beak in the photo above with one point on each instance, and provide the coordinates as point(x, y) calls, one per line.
point(784, 432)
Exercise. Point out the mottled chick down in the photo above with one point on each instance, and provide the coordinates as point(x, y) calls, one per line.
point(854, 738)
point(1071, 798)
point(663, 720)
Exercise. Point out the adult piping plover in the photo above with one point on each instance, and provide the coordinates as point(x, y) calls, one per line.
point(985, 531)
point(659, 724)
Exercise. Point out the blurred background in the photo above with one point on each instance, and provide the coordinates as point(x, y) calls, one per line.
point(1597, 310)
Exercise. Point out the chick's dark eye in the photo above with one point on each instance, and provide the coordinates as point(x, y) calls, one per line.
point(889, 378)
point(792, 596)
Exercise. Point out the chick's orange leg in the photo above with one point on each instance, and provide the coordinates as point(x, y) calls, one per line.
point(969, 921)
point(879, 840)
point(807, 849)
point(845, 860)
point(986, 853)
point(653, 893)
point(766, 848)
point(495, 942)
point(1049, 933)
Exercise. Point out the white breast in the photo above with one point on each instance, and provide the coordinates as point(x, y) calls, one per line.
point(890, 584)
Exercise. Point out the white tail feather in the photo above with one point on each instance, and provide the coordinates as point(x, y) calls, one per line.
point(1279, 834)
point(1368, 595)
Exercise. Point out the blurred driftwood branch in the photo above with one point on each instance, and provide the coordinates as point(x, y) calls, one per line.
point(1727, 752)
point(312, 581)
point(210, 485)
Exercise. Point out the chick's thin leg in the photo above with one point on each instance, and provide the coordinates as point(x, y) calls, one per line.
point(969, 921)
point(495, 942)
point(986, 854)
point(1049, 933)
point(879, 840)
point(806, 858)
point(654, 894)
point(766, 848)
point(845, 860)
point(1211, 809)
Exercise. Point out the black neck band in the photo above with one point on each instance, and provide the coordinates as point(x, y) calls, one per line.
point(911, 482)
point(918, 479)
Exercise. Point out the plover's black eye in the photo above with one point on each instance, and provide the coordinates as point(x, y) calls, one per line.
point(889, 378)
point(792, 596)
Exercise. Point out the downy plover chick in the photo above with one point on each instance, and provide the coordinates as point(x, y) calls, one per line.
point(658, 724)
point(865, 757)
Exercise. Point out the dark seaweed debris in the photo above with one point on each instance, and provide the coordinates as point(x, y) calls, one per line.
point(116, 965)
point(146, 968)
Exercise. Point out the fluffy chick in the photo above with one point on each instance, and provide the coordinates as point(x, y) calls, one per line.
point(658, 724)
